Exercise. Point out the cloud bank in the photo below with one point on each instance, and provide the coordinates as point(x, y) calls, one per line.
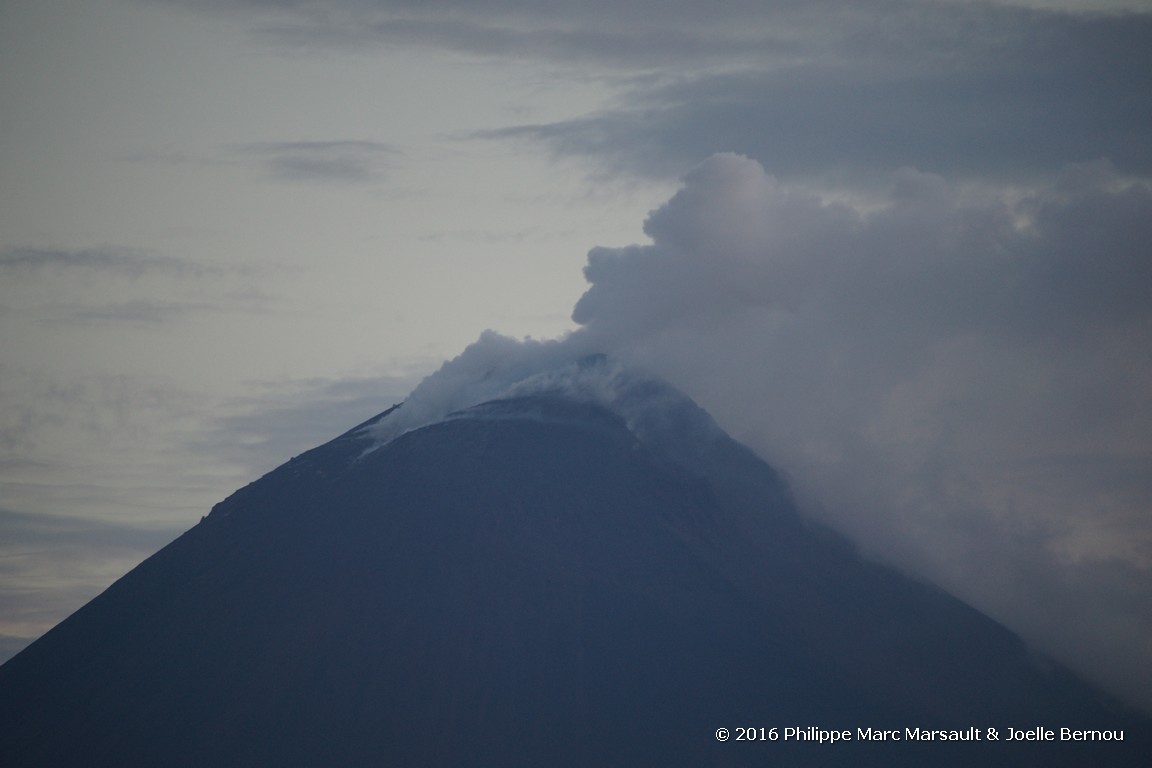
point(815, 88)
point(121, 262)
point(965, 90)
point(957, 378)
point(339, 162)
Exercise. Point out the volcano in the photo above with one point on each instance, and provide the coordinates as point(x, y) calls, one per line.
point(548, 578)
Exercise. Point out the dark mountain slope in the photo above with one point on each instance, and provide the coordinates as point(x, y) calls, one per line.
point(532, 582)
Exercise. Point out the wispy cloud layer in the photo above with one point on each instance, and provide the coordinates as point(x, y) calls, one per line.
point(126, 286)
point(341, 162)
point(260, 431)
point(809, 89)
point(122, 262)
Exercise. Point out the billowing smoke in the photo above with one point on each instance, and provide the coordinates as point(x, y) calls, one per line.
point(958, 378)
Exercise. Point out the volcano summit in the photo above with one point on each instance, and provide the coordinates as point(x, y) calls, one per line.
point(582, 571)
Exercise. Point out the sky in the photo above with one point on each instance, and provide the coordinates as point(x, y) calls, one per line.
point(901, 248)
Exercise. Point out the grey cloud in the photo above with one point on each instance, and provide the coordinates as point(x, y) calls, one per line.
point(965, 89)
point(602, 35)
point(343, 162)
point(160, 311)
point(929, 36)
point(124, 262)
point(136, 287)
point(1020, 118)
point(80, 410)
point(135, 313)
point(536, 13)
point(610, 46)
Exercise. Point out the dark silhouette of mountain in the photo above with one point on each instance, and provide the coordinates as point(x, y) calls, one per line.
point(535, 581)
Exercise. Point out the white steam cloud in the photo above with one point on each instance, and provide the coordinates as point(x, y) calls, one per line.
point(957, 378)
point(489, 369)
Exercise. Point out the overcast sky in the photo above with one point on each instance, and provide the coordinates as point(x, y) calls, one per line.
point(916, 278)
